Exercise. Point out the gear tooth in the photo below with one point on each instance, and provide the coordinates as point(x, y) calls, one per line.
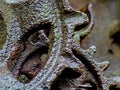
point(104, 65)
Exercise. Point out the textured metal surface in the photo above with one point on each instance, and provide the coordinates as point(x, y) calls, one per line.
point(42, 49)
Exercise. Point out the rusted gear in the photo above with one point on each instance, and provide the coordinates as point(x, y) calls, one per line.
point(42, 49)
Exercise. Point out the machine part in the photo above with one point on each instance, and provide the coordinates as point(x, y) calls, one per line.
point(42, 49)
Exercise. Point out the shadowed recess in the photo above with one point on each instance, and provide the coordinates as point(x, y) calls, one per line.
point(89, 67)
point(65, 79)
point(32, 65)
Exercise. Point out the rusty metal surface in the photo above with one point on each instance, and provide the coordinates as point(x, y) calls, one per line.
point(42, 50)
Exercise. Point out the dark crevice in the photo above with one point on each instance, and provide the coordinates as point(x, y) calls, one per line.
point(89, 67)
point(115, 43)
point(114, 88)
point(80, 27)
point(45, 27)
point(63, 80)
point(116, 38)
point(110, 51)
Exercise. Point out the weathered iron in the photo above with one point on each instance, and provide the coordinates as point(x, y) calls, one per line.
point(42, 48)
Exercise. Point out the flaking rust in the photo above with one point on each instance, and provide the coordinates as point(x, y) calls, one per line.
point(42, 49)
